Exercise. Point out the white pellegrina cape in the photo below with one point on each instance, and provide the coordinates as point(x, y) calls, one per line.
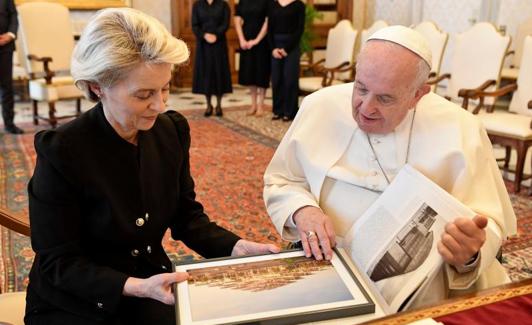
point(448, 145)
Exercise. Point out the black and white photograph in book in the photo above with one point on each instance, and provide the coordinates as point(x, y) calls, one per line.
point(274, 288)
point(410, 247)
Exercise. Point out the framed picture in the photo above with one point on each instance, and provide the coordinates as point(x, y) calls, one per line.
point(85, 4)
point(282, 288)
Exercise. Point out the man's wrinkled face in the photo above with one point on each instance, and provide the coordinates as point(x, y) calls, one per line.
point(384, 87)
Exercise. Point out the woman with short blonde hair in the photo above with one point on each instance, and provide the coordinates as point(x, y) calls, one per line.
point(116, 40)
point(108, 185)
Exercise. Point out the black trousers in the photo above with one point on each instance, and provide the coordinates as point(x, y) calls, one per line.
point(285, 79)
point(6, 86)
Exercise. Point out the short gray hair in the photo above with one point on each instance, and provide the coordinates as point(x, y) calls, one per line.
point(115, 41)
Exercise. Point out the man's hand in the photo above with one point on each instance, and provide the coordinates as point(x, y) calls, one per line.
point(157, 287)
point(462, 239)
point(311, 220)
point(246, 247)
point(5, 39)
point(210, 38)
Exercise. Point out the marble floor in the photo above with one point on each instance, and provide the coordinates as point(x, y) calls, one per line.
point(183, 99)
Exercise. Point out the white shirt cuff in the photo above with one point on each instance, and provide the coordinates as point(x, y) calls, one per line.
point(470, 265)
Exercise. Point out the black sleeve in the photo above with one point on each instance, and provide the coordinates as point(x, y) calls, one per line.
point(193, 226)
point(224, 23)
point(196, 23)
point(237, 10)
point(13, 17)
point(56, 230)
point(269, 15)
point(296, 35)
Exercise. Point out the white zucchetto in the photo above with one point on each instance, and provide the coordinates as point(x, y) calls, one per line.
point(407, 38)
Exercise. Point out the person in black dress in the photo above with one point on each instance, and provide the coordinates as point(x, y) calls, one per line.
point(108, 185)
point(210, 21)
point(251, 24)
point(8, 31)
point(286, 22)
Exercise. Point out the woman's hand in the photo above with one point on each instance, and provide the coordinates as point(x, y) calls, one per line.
point(243, 44)
point(157, 287)
point(246, 247)
point(252, 43)
point(210, 38)
point(276, 53)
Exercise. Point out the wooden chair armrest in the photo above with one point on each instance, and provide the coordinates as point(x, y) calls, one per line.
point(15, 221)
point(338, 68)
point(348, 67)
point(481, 94)
point(49, 74)
point(328, 73)
point(315, 67)
point(438, 79)
point(471, 92)
point(530, 107)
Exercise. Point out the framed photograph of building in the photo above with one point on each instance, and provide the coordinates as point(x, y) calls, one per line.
point(282, 288)
point(86, 4)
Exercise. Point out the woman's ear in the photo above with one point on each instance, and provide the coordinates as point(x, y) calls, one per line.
point(96, 89)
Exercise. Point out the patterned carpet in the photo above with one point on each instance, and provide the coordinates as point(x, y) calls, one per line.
point(228, 158)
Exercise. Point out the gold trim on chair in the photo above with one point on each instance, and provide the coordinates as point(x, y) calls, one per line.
point(85, 4)
point(455, 305)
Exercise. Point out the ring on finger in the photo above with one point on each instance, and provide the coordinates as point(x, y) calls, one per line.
point(310, 234)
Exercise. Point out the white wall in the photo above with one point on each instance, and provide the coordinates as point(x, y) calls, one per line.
point(159, 9)
point(395, 12)
point(511, 13)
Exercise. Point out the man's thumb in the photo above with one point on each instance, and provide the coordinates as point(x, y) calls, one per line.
point(480, 221)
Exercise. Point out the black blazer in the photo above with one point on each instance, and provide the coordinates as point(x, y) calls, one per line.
point(99, 207)
point(8, 22)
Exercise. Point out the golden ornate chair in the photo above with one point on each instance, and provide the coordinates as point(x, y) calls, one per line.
point(338, 63)
point(476, 61)
point(512, 128)
point(47, 42)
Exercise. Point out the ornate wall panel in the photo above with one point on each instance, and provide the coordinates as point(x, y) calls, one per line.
point(511, 13)
point(452, 16)
point(394, 12)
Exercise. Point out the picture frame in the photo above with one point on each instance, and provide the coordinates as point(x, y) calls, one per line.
point(283, 288)
point(85, 4)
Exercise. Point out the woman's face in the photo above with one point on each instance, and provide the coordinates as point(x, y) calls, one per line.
point(133, 103)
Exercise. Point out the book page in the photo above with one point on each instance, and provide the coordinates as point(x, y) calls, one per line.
point(395, 240)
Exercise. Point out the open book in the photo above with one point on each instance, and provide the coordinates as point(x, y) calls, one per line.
point(395, 241)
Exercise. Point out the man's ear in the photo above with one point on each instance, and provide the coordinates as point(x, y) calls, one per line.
point(422, 91)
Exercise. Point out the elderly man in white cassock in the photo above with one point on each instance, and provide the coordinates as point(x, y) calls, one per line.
point(349, 141)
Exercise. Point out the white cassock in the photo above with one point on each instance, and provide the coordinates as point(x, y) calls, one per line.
point(325, 160)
